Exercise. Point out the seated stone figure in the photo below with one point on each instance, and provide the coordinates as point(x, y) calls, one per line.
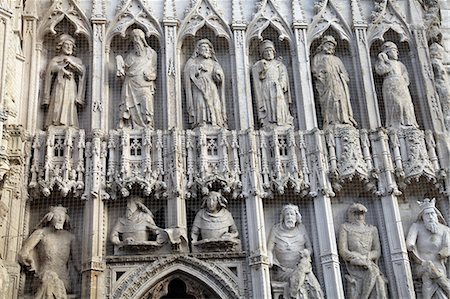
point(214, 226)
point(47, 253)
point(289, 251)
point(428, 242)
point(137, 227)
point(359, 247)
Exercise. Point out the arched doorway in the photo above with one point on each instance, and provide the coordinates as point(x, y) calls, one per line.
point(181, 286)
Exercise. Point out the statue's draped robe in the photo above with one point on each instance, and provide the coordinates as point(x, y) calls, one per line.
point(138, 89)
point(398, 104)
point(271, 89)
point(332, 85)
point(65, 90)
point(205, 92)
point(214, 225)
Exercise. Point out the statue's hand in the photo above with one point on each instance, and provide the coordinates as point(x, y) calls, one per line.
point(382, 56)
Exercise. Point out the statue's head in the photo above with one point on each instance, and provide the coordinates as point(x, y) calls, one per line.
point(328, 44)
point(429, 214)
point(205, 49)
point(139, 40)
point(390, 49)
point(66, 44)
point(356, 213)
point(57, 217)
point(267, 50)
point(290, 216)
point(214, 202)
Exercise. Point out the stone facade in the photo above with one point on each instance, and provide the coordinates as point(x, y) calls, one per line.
point(131, 113)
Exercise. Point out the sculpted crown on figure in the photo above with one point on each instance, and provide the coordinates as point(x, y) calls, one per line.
point(332, 85)
point(271, 88)
point(289, 250)
point(428, 242)
point(64, 85)
point(47, 253)
point(359, 247)
point(205, 87)
point(398, 104)
point(138, 71)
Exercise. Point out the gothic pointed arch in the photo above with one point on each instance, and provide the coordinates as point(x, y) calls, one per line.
point(140, 281)
point(328, 15)
point(386, 16)
point(64, 9)
point(268, 15)
point(129, 13)
point(201, 14)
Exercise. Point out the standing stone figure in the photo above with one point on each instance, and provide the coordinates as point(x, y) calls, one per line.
point(205, 87)
point(64, 85)
point(214, 221)
point(428, 242)
point(359, 247)
point(139, 74)
point(289, 251)
point(332, 85)
point(48, 251)
point(441, 80)
point(271, 87)
point(137, 225)
point(398, 104)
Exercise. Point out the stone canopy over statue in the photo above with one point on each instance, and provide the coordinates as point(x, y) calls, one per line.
point(428, 242)
point(64, 85)
point(138, 71)
point(271, 88)
point(214, 227)
point(47, 252)
point(289, 250)
point(332, 85)
point(205, 87)
point(398, 104)
point(359, 247)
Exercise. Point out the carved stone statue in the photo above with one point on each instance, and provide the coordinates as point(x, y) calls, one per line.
point(137, 226)
point(64, 85)
point(4, 278)
point(359, 247)
point(441, 80)
point(428, 242)
point(332, 85)
point(138, 71)
point(289, 251)
point(398, 104)
point(214, 224)
point(271, 88)
point(205, 87)
point(48, 251)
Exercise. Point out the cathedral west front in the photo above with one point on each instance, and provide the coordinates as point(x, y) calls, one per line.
point(285, 149)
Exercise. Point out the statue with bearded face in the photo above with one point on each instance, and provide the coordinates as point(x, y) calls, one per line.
point(48, 251)
point(428, 242)
point(138, 72)
point(289, 252)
